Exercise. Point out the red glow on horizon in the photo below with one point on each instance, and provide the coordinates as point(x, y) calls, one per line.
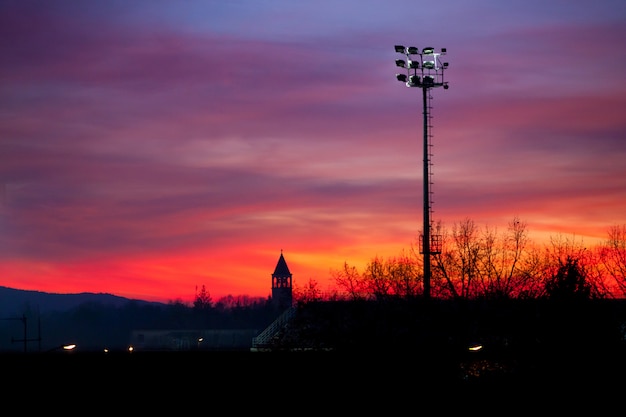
point(178, 278)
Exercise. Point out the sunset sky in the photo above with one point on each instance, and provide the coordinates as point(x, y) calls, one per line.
point(150, 147)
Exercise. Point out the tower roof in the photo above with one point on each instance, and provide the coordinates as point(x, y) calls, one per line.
point(281, 270)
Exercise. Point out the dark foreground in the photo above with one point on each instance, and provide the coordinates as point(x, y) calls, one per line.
point(289, 383)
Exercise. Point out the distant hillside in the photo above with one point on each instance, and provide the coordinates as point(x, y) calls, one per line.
point(14, 302)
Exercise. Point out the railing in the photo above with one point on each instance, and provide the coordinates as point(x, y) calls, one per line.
point(266, 335)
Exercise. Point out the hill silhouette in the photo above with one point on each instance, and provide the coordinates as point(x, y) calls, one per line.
point(15, 302)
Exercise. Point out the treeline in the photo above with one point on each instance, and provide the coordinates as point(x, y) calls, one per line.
point(484, 263)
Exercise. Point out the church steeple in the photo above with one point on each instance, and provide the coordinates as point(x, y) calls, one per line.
point(282, 295)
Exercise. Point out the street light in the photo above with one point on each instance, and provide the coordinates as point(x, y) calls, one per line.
point(424, 70)
point(68, 347)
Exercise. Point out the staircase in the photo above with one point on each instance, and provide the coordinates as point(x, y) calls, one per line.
point(262, 341)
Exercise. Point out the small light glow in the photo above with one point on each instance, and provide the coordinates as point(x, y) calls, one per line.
point(475, 348)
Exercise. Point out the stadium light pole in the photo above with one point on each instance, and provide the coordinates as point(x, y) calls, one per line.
point(424, 70)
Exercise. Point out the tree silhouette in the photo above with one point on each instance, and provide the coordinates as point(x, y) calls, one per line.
point(203, 300)
point(350, 281)
point(569, 282)
point(309, 293)
point(613, 256)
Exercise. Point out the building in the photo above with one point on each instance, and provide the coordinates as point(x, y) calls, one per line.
point(282, 284)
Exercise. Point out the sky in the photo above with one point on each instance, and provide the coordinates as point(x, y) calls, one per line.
point(150, 147)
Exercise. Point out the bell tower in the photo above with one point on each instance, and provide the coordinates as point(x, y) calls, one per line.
point(282, 296)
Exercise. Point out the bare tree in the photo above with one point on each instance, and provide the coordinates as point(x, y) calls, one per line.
point(402, 274)
point(457, 265)
point(501, 273)
point(307, 294)
point(613, 256)
point(349, 280)
point(597, 274)
point(474, 263)
point(376, 279)
point(531, 267)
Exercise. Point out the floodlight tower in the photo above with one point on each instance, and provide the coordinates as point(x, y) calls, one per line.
point(424, 70)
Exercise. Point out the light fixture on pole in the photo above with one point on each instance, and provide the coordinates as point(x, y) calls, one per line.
point(424, 70)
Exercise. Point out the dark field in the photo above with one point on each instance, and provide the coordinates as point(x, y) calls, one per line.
point(369, 382)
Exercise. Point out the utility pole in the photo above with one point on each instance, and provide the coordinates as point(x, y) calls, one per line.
point(25, 339)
